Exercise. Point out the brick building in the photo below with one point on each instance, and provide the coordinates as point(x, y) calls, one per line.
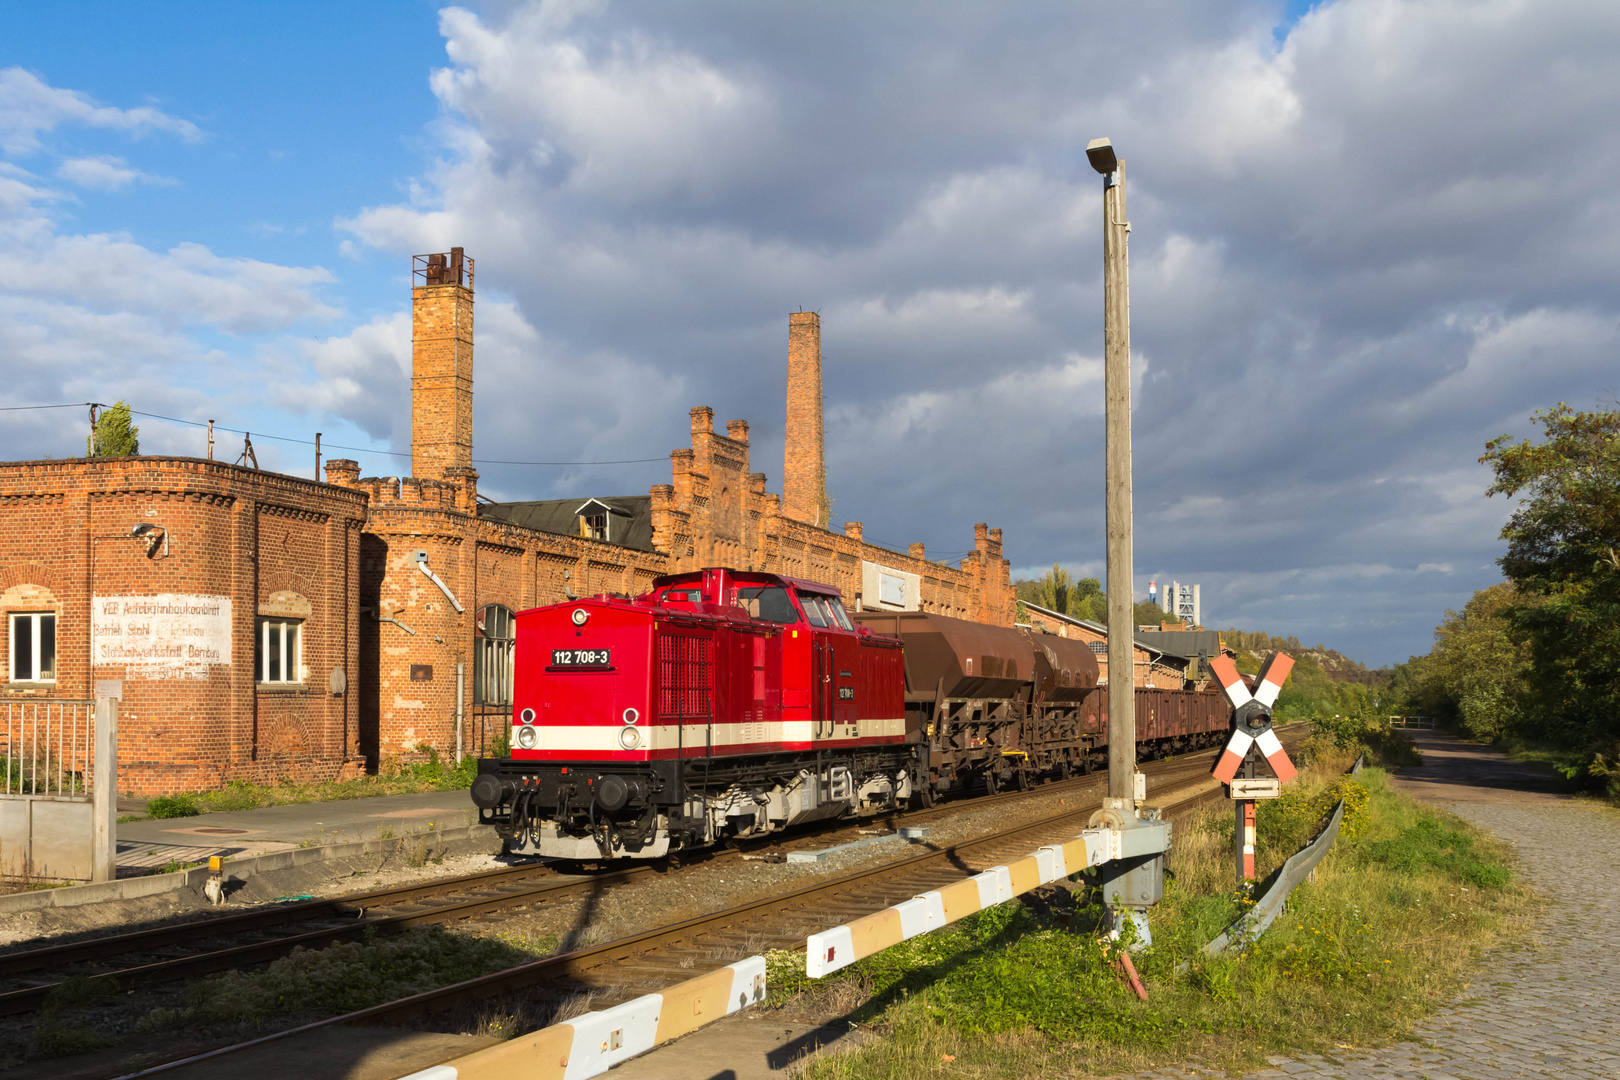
point(218, 602)
point(405, 585)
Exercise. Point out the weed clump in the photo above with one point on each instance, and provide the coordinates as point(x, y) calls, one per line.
point(339, 978)
point(172, 806)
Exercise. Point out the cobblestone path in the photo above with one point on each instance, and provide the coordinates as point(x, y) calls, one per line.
point(1549, 1011)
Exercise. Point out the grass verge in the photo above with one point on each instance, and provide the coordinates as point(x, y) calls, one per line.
point(430, 775)
point(1398, 913)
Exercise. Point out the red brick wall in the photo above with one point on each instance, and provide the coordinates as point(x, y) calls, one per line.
point(235, 533)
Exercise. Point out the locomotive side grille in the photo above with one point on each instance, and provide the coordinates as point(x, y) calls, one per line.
point(685, 677)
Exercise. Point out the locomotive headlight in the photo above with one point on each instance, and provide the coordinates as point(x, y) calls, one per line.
point(527, 716)
point(629, 738)
point(526, 737)
point(631, 716)
point(580, 616)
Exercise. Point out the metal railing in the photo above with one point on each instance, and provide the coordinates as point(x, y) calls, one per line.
point(490, 724)
point(1424, 723)
point(49, 746)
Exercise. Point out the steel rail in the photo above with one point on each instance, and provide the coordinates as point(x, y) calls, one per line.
point(590, 958)
point(248, 921)
point(29, 998)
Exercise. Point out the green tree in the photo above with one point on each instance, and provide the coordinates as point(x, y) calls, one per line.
point(1147, 613)
point(1057, 591)
point(1563, 557)
point(1479, 664)
point(116, 434)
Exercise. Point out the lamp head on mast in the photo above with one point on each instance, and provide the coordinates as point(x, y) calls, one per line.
point(1100, 152)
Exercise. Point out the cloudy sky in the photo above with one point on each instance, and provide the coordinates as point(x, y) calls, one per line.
point(1366, 237)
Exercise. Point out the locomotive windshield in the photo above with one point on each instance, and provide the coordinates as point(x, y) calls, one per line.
point(767, 602)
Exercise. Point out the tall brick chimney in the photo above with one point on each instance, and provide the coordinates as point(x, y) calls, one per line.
point(441, 364)
point(804, 457)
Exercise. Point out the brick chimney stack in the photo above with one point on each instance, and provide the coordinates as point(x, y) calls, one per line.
point(441, 364)
point(804, 464)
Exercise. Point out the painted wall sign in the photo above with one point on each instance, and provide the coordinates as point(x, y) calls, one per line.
point(168, 636)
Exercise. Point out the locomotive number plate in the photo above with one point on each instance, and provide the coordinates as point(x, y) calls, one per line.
point(580, 657)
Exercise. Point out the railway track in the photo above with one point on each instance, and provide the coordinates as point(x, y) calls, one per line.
point(646, 962)
point(189, 950)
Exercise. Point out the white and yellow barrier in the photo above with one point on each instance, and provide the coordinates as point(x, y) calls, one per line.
point(841, 946)
point(591, 1044)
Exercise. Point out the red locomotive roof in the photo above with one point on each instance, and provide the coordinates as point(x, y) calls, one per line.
point(753, 576)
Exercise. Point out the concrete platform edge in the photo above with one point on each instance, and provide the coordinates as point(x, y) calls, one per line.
point(155, 884)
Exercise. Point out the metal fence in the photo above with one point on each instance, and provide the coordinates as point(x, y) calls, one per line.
point(1425, 723)
point(49, 747)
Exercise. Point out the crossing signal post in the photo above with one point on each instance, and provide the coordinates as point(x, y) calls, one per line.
point(1252, 742)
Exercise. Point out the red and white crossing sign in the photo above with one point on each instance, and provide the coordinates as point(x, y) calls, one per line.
point(1252, 713)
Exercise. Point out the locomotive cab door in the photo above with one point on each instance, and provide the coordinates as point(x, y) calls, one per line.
point(822, 667)
point(834, 650)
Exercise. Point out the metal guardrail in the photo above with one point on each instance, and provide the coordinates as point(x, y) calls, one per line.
point(1298, 867)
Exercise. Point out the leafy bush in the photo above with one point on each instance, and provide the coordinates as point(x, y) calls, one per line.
point(172, 806)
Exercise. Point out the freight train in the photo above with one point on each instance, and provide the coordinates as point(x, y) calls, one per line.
point(727, 704)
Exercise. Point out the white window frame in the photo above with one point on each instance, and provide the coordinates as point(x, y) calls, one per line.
point(292, 660)
point(37, 619)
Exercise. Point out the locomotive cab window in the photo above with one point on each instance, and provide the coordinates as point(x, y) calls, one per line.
point(769, 603)
point(278, 651)
point(682, 596)
point(836, 615)
point(813, 610)
point(33, 647)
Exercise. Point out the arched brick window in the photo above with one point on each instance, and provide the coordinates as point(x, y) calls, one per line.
point(492, 659)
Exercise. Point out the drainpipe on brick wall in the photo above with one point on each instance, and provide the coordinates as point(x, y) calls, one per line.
point(461, 685)
point(422, 565)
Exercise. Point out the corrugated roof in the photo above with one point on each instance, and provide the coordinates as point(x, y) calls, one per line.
point(629, 517)
point(1183, 643)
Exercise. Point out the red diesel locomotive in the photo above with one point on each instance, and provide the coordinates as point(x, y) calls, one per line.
point(729, 704)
